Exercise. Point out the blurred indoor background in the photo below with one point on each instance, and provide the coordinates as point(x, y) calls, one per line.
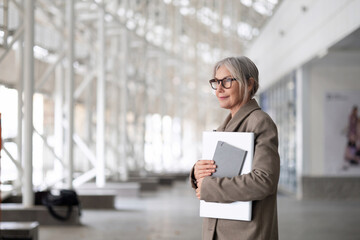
point(110, 97)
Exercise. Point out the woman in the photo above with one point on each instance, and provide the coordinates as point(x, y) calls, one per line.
point(236, 82)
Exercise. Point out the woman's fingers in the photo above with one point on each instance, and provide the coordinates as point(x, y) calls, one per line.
point(204, 168)
point(206, 171)
point(202, 175)
point(205, 174)
point(198, 193)
point(203, 164)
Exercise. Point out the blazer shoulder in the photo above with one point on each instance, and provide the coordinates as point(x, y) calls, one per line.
point(260, 118)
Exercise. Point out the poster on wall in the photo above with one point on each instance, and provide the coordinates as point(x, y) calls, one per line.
point(342, 133)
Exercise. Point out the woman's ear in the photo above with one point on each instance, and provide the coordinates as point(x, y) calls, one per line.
point(250, 84)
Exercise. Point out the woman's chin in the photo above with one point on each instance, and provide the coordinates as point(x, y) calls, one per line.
point(224, 105)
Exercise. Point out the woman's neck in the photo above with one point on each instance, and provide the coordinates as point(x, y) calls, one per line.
point(236, 108)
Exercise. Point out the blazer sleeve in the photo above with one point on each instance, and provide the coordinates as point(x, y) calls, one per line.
point(192, 178)
point(261, 181)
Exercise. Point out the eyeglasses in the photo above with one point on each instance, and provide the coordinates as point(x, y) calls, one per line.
point(225, 82)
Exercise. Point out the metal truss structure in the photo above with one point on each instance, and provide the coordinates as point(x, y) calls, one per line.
point(105, 69)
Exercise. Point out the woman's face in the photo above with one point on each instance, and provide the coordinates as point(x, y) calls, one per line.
point(228, 98)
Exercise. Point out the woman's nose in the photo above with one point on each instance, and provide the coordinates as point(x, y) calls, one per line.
point(219, 87)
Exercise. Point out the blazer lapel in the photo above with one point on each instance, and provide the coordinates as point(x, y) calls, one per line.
point(222, 127)
point(232, 124)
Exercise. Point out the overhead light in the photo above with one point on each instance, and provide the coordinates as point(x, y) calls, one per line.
point(263, 8)
point(108, 18)
point(40, 52)
point(121, 12)
point(226, 21)
point(184, 2)
point(206, 16)
point(244, 30)
point(150, 36)
point(159, 29)
point(247, 3)
point(187, 11)
point(141, 22)
point(273, 2)
point(130, 24)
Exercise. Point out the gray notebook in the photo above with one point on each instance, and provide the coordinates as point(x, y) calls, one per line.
point(228, 159)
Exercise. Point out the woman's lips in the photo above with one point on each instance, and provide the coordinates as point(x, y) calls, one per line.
point(222, 98)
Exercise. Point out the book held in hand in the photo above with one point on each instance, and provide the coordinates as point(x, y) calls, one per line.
point(228, 159)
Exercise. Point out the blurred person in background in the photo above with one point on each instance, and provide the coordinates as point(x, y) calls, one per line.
point(351, 149)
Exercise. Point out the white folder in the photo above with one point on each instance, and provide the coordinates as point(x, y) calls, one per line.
point(235, 210)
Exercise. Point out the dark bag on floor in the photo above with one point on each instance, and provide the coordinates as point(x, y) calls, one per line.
point(67, 198)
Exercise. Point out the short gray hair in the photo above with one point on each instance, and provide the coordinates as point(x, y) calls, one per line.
point(241, 68)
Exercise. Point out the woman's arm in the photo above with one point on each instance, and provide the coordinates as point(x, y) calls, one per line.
point(260, 182)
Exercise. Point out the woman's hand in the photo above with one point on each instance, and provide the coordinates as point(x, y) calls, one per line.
point(198, 190)
point(204, 168)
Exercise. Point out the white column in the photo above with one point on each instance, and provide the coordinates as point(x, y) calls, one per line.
point(5, 8)
point(58, 112)
point(89, 101)
point(100, 119)
point(123, 106)
point(196, 91)
point(144, 111)
point(58, 119)
point(70, 93)
point(20, 63)
point(88, 119)
point(116, 75)
point(163, 104)
point(27, 190)
point(302, 124)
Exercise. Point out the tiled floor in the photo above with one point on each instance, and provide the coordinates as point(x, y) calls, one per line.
point(172, 213)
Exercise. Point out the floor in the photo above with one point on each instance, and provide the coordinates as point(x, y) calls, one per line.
point(171, 213)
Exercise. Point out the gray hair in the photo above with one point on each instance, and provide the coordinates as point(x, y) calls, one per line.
point(242, 69)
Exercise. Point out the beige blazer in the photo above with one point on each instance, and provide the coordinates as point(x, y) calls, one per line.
point(259, 186)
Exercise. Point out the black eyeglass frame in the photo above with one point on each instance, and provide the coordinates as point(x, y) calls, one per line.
point(214, 80)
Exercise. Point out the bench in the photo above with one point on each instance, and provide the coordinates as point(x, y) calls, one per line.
point(19, 230)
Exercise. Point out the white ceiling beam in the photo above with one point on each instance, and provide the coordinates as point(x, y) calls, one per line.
point(299, 31)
